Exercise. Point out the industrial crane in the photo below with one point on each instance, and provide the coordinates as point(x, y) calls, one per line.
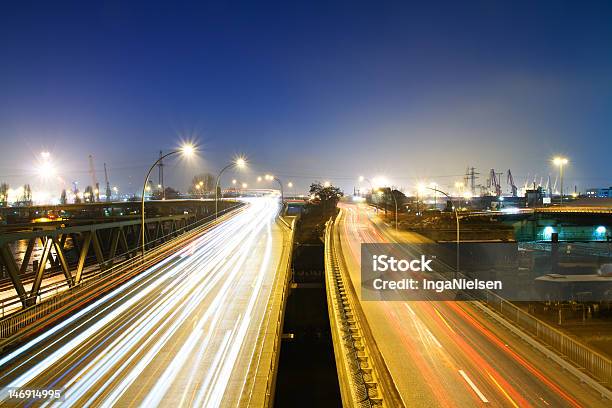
point(494, 183)
point(510, 182)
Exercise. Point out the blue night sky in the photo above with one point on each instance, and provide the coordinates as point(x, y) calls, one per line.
point(310, 90)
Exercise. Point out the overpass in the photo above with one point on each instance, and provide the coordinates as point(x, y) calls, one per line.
point(198, 323)
point(444, 353)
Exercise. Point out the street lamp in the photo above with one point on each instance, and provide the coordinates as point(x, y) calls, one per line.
point(457, 218)
point(240, 163)
point(362, 179)
point(394, 199)
point(560, 161)
point(187, 150)
point(280, 183)
point(420, 190)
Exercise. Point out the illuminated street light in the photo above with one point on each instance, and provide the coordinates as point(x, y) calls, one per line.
point(239, 162)
point(326, 184)
point(186, 150)
point(234, 181)
point(259, 178)
point(560, 161)
point(457, 218)
point(244, 185)
point(290, 185)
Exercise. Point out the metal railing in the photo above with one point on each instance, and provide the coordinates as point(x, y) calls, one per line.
point(11, 325)
point(596, 364)
point(363, 376)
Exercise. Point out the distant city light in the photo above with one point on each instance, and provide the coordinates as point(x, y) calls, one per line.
point(326, 184)
point(548, 231)
point(290, 184)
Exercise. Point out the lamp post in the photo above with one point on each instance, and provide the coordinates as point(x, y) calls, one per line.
point(240, 162)
point(362, 179)
point(560, 161)
point(420, 189)
point(457, 218)
point(280, 183)
point(187, 150)
point(394, 199)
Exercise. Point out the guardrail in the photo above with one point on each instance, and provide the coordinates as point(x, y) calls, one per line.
point(363, 376)
point(596, 364)
point(11, 325)
point(280, 318)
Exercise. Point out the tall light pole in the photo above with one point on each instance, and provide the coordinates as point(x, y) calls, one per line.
point(560, 161)
point(186, 150)
point(362, 179)
point(457, 218)
point(280, 183)
point(240, 162)
point(394, 199)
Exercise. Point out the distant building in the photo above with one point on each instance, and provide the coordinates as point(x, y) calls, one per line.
point(599, 192)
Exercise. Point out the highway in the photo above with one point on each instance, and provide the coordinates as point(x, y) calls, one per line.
point(185, 332)
point(448, 354)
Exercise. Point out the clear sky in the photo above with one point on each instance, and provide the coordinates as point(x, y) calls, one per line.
point(309, 90)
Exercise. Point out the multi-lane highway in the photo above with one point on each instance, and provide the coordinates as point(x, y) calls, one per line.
point(448, 354)
point(185, 332)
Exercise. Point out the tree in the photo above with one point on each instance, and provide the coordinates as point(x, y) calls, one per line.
point(27, 195)
point(170, 194)
point(4, 188)
point(327, 195)
point(63, 198)
point(202, 183)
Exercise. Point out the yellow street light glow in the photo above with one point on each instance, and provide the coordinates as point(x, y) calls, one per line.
point(361, 178)
point(326, 184)
point(421, 187)
point(259, 178)
point(467, 195)
point(198, 186)
point(244, 185)
point(188, 149)
point(290, 184)
point(240, 162)
point(558, 161)
point(234, 181)
point(201, 183)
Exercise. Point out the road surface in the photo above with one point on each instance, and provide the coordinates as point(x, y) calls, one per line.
point(447, 354)
point(183, 333)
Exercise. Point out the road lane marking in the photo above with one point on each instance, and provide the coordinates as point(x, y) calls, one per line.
point(420, 324)
point(409, 309)
point(503, 391)
point(476, 390)
point(443, 319)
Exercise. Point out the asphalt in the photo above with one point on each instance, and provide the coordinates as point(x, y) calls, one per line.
point(447, 353)
point(183, 333)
